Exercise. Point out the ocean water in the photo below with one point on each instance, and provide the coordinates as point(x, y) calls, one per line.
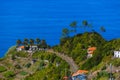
point(45, 19)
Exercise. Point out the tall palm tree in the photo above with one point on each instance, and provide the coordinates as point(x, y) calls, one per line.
point(31, 42)
point(43, 44)
point(102, 28)
point(85, 24)
point(38, 41)
point(18, 42)
point(74, 25)
point(26, 41)
point(65, 33)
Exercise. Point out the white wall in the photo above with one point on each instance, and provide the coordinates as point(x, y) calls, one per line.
point(117, 54)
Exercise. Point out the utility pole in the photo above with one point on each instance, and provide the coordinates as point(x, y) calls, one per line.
point(65, 72)
point(111, 71)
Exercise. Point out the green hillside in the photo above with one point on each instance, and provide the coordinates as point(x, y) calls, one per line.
point(54, 64)
point(40, 66)
point(76, 47)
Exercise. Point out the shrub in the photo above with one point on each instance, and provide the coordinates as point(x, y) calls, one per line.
point(23, 73)
point(103, 74)
point(18, 66)
point(22, 54)
point(9, 74)
point(2, 69)
point(28, 65)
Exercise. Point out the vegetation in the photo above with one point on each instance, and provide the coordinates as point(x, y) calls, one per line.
point(2, 69)
point(47, 66)
point(41, 65)
point(9, 74)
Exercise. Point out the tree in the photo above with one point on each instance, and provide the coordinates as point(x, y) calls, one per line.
point(38, 41)
point(85, 24)
point(31, 41)
point(65, 33)
point(18, 42)
point(74, 25)
point(43, 44)
point(102, 29)
point(26, 41)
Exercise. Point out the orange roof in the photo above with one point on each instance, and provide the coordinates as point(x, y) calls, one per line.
point(65, 77)
point(92, 48)
point(80, 72)
point(22, 47)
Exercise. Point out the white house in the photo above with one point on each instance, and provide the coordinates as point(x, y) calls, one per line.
point(117, 54)
point(20, 48)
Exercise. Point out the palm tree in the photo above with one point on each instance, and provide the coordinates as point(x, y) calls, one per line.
point(18, 42)
point(85, 24)
point(26, 41)
point(74, 25)
point(102, 29)
point(43, 44)
point(65, 33)
point(31, 42)
point(38, 41)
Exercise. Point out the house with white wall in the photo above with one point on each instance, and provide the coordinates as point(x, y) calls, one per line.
point(117, 54)
point(20, 48)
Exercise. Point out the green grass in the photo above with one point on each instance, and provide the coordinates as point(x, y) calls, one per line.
point(9, 74)
point(2, 69)
point(23, 73)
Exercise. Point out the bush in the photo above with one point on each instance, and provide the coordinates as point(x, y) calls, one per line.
point(2, 69)
point(103, 74)
point(23, 73)
point(18, 66)
point(116, 62)
point(9, 74)
point(28, 65)
point(22, 54)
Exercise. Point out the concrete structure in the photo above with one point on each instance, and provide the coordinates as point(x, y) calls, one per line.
point(117, 54)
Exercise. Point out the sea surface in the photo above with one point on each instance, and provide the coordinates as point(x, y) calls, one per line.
point(45, 19)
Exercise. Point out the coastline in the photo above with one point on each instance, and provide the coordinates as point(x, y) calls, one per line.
point(12, 47)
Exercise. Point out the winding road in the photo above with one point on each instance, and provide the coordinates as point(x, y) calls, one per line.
point(69, 60)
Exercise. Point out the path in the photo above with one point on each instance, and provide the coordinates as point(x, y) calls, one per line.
point(73, 66)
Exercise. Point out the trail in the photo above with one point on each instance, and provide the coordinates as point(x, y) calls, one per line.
point(69, 60)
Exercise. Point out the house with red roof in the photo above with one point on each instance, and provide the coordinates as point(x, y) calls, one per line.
point(20, 48)
point(80, 75)
point(90, 51)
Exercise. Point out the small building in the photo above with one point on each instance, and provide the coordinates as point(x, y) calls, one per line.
point(90, 51)
point(33, 48)
point(65, 78)
point(30, 49)
point(117, 54)
point(20, 48)
point(80, 75)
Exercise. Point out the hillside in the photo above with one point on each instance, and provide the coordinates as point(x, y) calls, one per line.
point(76, 47)
point(64, 59)
point(41, 65)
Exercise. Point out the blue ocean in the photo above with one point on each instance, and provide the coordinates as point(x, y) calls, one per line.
point(45, 19)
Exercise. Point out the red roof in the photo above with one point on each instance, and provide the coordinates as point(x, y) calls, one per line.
point(91, 49)
point(22, 47)
point(80, 72)
point(65, 77)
